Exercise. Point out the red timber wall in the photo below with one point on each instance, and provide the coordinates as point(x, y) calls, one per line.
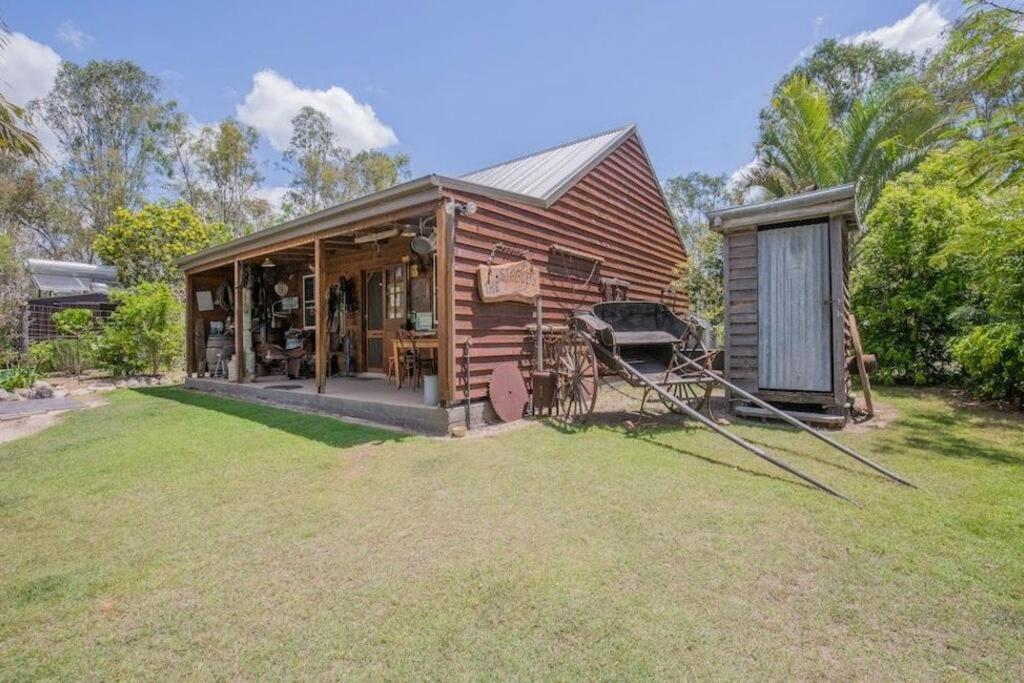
point(616, 212)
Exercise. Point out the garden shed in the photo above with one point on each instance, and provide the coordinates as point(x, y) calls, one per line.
point(787, 322)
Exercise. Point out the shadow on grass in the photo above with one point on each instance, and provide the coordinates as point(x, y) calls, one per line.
point(651, 425)
point(933, 433)
point(326, 430)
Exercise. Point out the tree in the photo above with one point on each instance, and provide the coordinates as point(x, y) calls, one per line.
point(691, 197)
point(37, 213)
point(910, 305)
point(981, 72)
point(886, 132)
point(230, 176)
point(845, 72)
point(145, 332)
point(144, 244)
point(107, 118)
point(178, 157)
point(13, 290)
point(324, 173)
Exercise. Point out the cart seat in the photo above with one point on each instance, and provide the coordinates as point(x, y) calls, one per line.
point(644, 338)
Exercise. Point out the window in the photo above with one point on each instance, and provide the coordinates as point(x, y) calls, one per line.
point(396, 292)
point(308, 302)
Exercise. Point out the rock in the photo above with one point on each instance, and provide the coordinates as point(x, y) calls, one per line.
point(28, 392)
point(121, 384)
point(134, 382)
point(6, 395)
point(60, 393)
point(42, 390)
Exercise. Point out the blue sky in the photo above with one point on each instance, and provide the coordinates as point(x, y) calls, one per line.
point(462, 85)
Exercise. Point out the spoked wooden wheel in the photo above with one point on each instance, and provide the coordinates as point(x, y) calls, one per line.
point(696, 396)
point(576, 368)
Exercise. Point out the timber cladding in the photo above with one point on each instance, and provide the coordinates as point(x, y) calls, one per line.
point(612, 224)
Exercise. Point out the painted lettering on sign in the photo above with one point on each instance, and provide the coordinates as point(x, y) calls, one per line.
point(519, 282)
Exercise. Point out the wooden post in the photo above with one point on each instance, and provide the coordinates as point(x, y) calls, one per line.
point(239, 331)
point(190, 360)
point(445, 309)
point(319, 316)
point(865, 381)
point(838, 294)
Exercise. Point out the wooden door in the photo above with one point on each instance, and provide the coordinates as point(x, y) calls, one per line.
point(373, 321)
point(794, 307)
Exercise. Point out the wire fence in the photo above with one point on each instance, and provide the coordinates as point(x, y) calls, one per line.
point(37, 324)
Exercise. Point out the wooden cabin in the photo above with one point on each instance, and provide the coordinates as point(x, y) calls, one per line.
point(448, 265)
point(787, 323)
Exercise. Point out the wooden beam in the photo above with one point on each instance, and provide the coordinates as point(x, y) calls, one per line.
point(239, 331)
point(445, 310)
point(320, 317)
point(190, 361)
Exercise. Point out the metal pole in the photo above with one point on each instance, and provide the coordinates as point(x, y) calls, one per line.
point(795, 422)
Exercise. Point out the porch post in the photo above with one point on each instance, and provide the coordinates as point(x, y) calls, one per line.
point(320, 316)
point(445, 331)
point(239, 329)
point(190, 332)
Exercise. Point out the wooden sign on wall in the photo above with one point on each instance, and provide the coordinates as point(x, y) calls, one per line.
point(518, 281)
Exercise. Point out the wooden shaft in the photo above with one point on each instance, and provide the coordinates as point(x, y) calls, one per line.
point(795, 422)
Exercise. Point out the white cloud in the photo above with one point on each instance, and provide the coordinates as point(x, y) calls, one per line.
point(274, 101)
point(73, 36)
point(27, 69)
point(27, 72)
point(918, 32)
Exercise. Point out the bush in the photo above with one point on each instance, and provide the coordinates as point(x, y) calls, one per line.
point(74, 353)
point(145, 333)
point(63, 355)
point(992, 358)
point(909, 306)
point(17, 378)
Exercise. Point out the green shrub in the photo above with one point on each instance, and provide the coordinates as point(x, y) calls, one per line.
point(63, 355)
point(75, 352)
point(909, 306)
point(20, 377)
point(73, 322)
point(145, 333)
point(992, 359)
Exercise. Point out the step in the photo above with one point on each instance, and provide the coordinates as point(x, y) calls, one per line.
point(818, 418)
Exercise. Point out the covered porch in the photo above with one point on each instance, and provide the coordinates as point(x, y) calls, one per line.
point(332, 314)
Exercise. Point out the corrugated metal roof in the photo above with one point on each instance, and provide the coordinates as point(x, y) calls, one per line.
point(67, 277)
point(546, 173)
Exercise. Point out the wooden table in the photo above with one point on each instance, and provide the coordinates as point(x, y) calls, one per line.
point(424, 340)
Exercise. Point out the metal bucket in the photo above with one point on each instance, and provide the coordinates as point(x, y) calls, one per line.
point(430, 390)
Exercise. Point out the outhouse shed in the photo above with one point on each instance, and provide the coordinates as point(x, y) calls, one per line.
point(787, 322)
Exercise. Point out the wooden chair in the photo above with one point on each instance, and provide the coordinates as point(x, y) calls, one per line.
point(403, 363)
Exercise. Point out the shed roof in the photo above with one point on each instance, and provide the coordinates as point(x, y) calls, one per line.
point(838, 199)
point(547, 174)
point(70, 277)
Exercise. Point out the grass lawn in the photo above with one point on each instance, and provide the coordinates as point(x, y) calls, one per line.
point(176, 535)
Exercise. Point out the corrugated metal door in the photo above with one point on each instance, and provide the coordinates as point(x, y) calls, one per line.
point(794, 309)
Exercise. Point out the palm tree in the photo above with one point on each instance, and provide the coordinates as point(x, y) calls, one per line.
point(886, 132)
point(14, 139)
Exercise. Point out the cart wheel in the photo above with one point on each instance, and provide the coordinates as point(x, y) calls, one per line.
point(576, 369)
point(696, 396)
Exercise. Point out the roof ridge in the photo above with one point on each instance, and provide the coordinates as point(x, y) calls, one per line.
point(617, 129)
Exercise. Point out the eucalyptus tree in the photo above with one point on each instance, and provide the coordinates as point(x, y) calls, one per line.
point(107, 117)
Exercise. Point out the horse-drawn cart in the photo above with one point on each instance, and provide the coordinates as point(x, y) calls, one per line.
point(651, 348)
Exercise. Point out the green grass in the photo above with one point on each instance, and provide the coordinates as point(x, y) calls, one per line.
point(175, 535)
